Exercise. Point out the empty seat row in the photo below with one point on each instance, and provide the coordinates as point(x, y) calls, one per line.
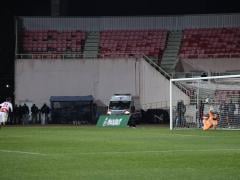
point(210, 42)
point(129, 42)
point(52, 41)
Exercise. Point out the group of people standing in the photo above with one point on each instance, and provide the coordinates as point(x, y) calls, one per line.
point(22, 114)
point(33, 115)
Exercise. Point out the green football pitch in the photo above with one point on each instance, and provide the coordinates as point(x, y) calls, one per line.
point(145, 152)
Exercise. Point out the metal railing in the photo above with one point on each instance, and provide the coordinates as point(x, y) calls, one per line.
point(176, 75)
point(208, 55)
point(157, 67)
point(50, 56)
point(55, 55)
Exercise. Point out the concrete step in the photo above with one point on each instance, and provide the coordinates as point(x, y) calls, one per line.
point(95, 40)
point(171, 50)
point(91, 49)
point(176, 46)
point(167, 63)
point(179, 36)
point(175, 36)
point(176, 43)
point(170, 54)
point(91, 44)
point(169, 57)
point(90, 54)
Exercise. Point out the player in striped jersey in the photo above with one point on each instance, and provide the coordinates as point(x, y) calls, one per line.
point(4, 110)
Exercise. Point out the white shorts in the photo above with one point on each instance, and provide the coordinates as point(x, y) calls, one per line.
point(3, 117)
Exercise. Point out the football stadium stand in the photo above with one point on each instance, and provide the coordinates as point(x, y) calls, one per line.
point(195, 43)
point(53, 41)
point(210, 43)
point(117, 43)
point(125, 43)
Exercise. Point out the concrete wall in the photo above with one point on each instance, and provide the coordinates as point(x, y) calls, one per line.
point(210, 64)
point(178, 22)
point(37, 80)
point(155, 91)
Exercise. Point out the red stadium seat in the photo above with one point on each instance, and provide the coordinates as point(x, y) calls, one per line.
point(42, 41)
point(215, 43)
point(134, 41)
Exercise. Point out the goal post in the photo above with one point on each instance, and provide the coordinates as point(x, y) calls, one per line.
point(192, 98)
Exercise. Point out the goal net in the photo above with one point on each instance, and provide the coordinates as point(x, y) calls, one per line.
point(192, 98)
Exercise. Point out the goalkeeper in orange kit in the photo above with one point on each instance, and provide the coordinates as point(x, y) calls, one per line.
point(210, 120)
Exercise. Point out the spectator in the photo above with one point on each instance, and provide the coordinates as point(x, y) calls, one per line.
point(20, 112)
point(181, 109)
point(201, 113)
point(238, 107)
point(34, 111)
point(45, 111)
point(25, 114)
point(223, 114)
point(231, 109)
point(16, 114)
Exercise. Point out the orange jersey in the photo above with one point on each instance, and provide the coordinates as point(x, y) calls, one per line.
point(210, 121)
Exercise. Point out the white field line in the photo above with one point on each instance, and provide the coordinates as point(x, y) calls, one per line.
point(203, 136)
point(160, 151)
point(22, 152)
point(123, 152)
point(192, 135)
point(189, 135)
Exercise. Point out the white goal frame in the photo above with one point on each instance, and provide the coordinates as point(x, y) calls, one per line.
point(191, 79)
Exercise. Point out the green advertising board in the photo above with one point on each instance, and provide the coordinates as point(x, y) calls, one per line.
point(113, 120)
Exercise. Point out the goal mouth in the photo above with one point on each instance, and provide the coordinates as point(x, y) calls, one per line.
point(219, 94)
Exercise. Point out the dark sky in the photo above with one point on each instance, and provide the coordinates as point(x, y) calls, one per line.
point(12, 8)
point(149, 7)
point(122, 7)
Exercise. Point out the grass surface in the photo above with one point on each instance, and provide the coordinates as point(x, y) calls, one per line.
point(88, 152)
